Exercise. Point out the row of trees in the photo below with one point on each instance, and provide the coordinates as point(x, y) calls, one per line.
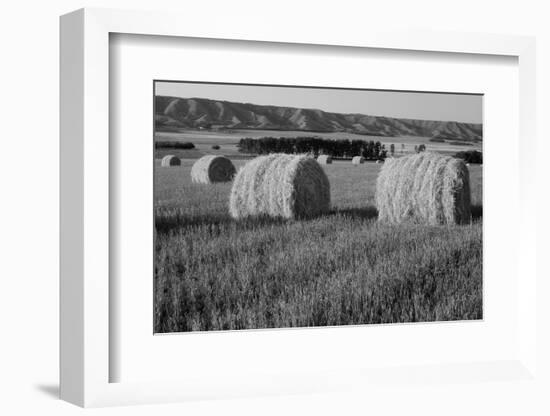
point(173, 145)
point(314, 145)
point(470, 156)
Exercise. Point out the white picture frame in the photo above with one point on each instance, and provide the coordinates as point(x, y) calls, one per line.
point(85, 355)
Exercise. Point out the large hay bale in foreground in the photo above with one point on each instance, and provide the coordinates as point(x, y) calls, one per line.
point(280, 185)
point(357, 160)
point(324, 159)
point(170, 160)
point(212, 168)
point(424, 188)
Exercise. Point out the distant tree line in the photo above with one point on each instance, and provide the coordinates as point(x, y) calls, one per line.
point(314, 145)
point(461, 143)
point(470, 156)
point(173, 145)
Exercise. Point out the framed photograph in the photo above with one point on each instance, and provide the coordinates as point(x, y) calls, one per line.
point(279, 213)
point(272, 213)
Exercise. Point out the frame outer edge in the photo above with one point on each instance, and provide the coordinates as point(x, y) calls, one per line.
point(528, 199)
point(71, 217)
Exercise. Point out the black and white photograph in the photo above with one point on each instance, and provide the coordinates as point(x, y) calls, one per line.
point(292, 207)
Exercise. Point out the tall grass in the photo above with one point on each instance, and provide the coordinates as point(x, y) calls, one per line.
point(214, 273)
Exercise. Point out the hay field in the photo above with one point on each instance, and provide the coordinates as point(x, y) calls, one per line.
point(215, 273)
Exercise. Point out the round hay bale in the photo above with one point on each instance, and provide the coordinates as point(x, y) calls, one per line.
point(280, 185)
point(212, 168)
point(357, 160)
point(170, 160)
point(324, 159)
point(424, 188)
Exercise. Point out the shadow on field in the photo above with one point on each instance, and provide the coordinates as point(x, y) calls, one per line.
point(364, 213)
point(370, 212)
point(171, 219)
point(477, 212)
point(175, 219)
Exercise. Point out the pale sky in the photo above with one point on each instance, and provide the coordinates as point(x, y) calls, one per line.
point(415, 105)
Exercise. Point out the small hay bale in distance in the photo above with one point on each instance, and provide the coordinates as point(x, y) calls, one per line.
point(170, 160)
point(324, 159)
point(280, 186)
point(426, 188)
point(211, 169)
point(357, 160)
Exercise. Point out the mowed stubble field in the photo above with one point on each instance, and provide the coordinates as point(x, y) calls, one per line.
point(214, 273)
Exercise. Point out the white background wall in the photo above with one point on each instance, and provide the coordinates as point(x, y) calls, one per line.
point(29, 206)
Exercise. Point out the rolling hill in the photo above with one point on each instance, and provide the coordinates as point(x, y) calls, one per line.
point(174, 112)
